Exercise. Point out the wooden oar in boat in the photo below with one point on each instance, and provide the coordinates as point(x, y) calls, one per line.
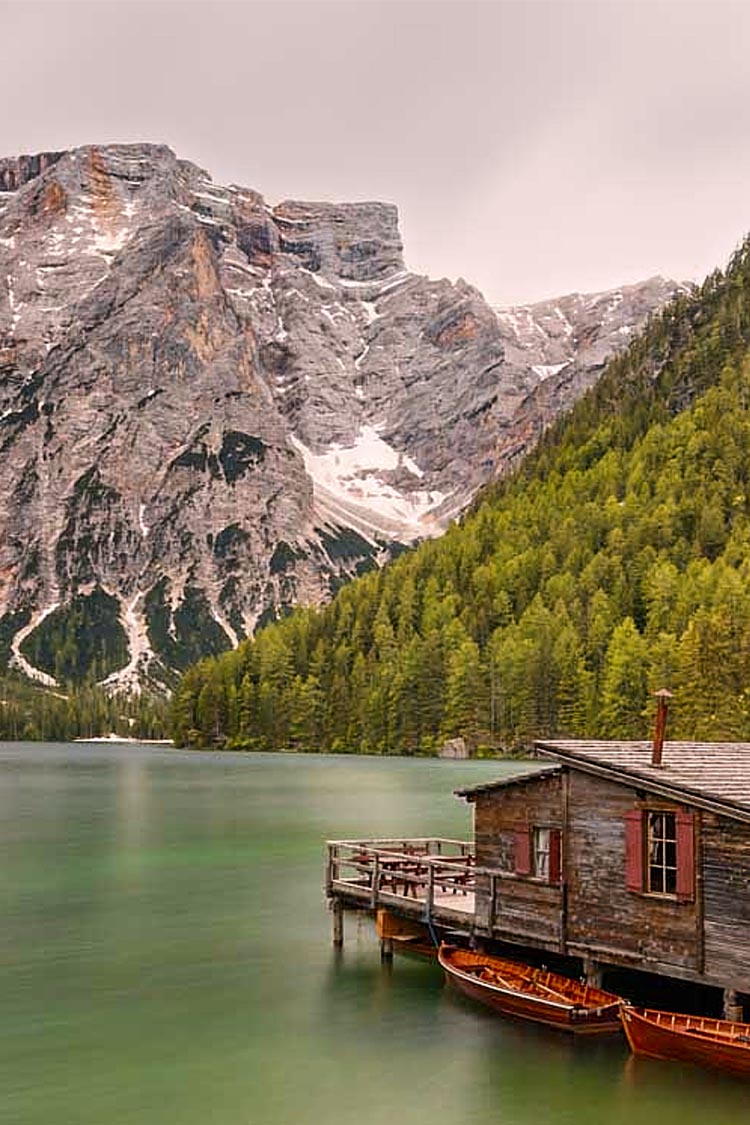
point(527, 978)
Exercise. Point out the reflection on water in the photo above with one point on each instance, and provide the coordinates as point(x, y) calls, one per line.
point(165, 957)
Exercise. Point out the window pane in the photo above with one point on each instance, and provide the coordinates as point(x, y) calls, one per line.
point(506, 847)
point(662, 853)
point(541, 852)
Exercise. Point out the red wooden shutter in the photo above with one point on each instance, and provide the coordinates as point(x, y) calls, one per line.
point(684, 822)
point(634, 850)
point(555, 855)
point(523, 851)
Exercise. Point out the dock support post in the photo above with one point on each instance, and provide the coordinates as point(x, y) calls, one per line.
point(593, 972)
point(337, 909)
point(732, 1006)
point(386, 949)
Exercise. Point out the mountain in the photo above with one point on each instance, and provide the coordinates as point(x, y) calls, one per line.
point(212, 409)
point(614, 561)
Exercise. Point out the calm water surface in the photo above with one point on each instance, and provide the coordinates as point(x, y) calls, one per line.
point(165, 958)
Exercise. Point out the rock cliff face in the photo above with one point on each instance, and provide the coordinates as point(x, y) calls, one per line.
point(211, 409)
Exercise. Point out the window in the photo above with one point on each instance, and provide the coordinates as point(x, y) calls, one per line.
point(506, 851)
point(662, 853)
point(542, 847)
point(538, 853)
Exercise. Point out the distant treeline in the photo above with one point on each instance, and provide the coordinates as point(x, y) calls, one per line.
point(616, 561)
point(28, 712)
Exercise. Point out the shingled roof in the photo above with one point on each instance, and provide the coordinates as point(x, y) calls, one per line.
point(712, 775)
point(530, 773)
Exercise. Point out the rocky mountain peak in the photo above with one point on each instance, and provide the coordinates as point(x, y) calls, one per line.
point(355, 242)
point(211, 408)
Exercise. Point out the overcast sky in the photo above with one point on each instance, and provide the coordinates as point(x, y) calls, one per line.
point(533, 147)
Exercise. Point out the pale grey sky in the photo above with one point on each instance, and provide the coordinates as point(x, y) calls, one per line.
point(534, 147)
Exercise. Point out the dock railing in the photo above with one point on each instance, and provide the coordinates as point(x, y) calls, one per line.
point(437, 880)
point(421, 874)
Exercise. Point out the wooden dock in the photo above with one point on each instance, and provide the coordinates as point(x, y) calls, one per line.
point(429, 881)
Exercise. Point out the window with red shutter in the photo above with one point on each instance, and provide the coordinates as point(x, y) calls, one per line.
point(634, 850)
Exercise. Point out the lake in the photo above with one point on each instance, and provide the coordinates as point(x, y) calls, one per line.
point(165, 957)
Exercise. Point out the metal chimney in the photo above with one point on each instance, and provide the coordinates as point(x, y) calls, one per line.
point(662, 704)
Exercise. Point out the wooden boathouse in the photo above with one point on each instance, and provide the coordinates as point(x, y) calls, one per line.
point(622, 855)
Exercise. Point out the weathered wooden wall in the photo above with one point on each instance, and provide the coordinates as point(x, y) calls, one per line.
point(499, 813)
point(726, 891)
point(603, 917)
point(594, 914)
point(524, 908)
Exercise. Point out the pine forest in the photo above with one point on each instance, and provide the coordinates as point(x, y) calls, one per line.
point(615, 561)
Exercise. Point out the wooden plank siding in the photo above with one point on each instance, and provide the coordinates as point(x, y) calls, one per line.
point(528, 909)
point(524, 908)
point(726, 889)
point(604, 918)
point(593, 913)
point(499, 814)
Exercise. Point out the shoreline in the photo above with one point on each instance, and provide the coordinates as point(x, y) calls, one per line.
point(125, 739)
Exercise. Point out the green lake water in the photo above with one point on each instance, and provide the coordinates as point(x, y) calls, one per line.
point(165, 957)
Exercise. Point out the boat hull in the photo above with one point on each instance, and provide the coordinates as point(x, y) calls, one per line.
point(600, 1017)
point(677, 1038)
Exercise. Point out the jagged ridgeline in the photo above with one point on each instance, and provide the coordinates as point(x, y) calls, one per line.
point(614, 562)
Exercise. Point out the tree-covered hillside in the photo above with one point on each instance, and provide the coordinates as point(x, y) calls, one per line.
point(614, 562)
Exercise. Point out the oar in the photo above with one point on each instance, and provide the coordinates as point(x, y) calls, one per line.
point(528, 980)
point(545, 988)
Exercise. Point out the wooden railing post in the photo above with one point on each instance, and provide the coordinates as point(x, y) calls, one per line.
point(375, 881)
point(493, 903)
point(430, 891)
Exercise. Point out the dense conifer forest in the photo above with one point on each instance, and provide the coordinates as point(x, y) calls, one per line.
point(615, 561)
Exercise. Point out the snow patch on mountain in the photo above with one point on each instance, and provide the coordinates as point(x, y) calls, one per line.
point(133, 622)
point(350, 480)
point(545, 370)
point(19, 660)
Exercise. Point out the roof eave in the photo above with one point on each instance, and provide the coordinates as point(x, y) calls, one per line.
point(472, 791)
point(639, 781)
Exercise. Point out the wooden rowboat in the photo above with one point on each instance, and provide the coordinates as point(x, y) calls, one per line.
point(516, 989)
point(694, 1039)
